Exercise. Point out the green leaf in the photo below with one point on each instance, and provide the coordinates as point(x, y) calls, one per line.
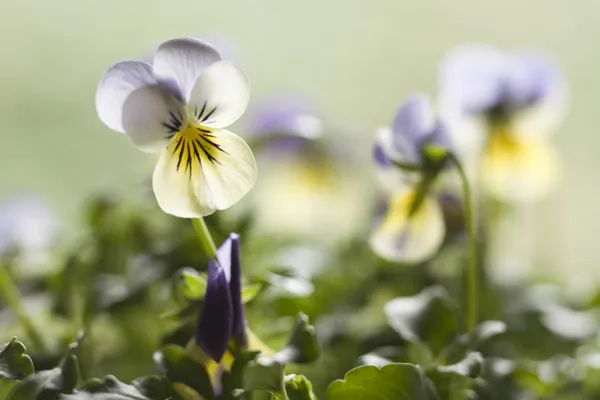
point(302, 346)
point(427, 317)
point(50, 384)
point(234, 379)
point(190, 283)
point(264, 374)
point(180, 367)
point(14, 363)
point(250, 291)
point(110, 388)
point(392, 382)
point(456, 381)
point(298, 387)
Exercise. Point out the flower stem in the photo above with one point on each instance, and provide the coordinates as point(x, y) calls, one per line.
point(473, 267)
point(10, 293)
point(205, 238)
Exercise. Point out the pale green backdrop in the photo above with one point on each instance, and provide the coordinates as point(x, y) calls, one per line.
point(359, 59)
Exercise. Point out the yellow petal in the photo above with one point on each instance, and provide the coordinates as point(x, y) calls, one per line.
point(201, 171)
point(409, 239)
point(519, 170)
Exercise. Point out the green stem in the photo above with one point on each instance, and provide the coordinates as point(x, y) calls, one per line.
point(12, 296)
point(473, 267)
point(205, 238)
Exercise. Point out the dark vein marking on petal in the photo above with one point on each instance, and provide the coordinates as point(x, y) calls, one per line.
point(215, 145)
point(171, 127)
point(180, 152)
point(210, 157)
point(204, 130)
point(202, 111)
point(188, 161)
point(209, 114)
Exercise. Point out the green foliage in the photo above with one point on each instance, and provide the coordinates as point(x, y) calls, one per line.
point(14, 362)
point(391, 382)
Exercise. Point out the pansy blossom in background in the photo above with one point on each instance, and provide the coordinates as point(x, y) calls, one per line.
point(305, 190)
point(180, 106)
point(411, 227)
point(504, 105)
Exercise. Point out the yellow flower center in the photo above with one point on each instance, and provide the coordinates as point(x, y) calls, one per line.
point(193, 146)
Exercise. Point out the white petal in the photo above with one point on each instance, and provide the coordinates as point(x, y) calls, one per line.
point(392, 177)
point(180, 62)
point(543, 118)
point(189, 183)
point(409, 240)
point(118, 82)
point(520, 170)
point(152, 115)
point(220, 96)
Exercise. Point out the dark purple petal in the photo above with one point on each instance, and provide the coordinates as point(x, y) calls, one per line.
point(216, 320)
point(530, 78)
point(235, 285)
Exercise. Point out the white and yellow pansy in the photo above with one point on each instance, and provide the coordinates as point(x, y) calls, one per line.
point(411, 229)
point(507, 104)
point(179, 106)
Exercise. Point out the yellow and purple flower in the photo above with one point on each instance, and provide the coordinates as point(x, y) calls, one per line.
point(411, 228)
point(504, 106)
point(179, 106)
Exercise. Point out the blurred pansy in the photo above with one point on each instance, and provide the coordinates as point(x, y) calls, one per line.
point(409, 156)
point(28, 227)
point(179, 106)
point(506, 103)
point(307, 190)
point(286, 116)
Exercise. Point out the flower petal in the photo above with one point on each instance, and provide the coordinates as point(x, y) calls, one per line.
point(385, 153)
point(471, 77)
point(152, 116)
point(196, 176)
point(413, 122)
point(520, 170)
point(179, 62)
point(118, 82)
point(220, 95)
point(216, 319)
point(407, 239)
point(530, 79)
point(229, 256)
point(287, 116)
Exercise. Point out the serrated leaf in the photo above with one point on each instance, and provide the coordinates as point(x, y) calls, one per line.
point(298, 387)
point(427, 317)
point(302, 347)
point(180, 367)
point(392, 382)
point(14, 362)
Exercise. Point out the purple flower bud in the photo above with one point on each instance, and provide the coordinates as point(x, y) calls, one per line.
point(222, 317)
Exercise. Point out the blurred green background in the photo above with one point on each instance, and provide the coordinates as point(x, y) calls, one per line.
point(358, 59)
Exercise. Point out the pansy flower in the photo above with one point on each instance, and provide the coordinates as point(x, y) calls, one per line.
point(506, 104)
point(411, 227)
point(179, 106)
point(307, 189)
